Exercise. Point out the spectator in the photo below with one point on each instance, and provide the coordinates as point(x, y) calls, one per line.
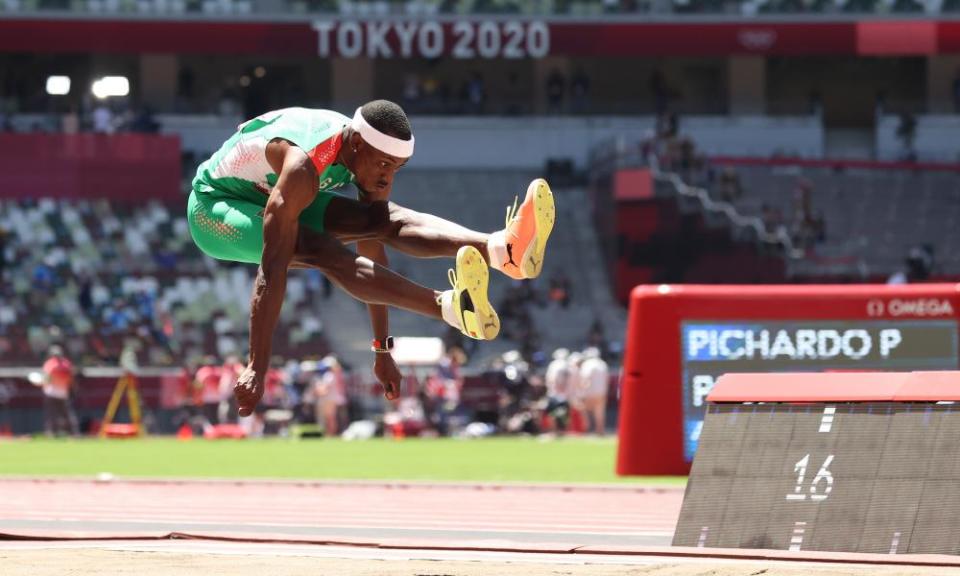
point(443, 391)
point(556, 86)
point(85, 296)
point(513, 95)
point(659, 92)
point(57, 382)
point(184, 89)
point(907, 132)
point(144, 121)
point(597, 338)
point(208, 382)
point(956, 92)
point(729, 188)
point(4, 240)
point(411, 92)
point(329, 395)
point(70, 123)
point(229, 103)
point(229, 373)
point(594, 381)
point(473, 94)
point(918, 265)
point(580, 91)
point(559, 387)
point(772, 218)
point(275, 384)
point(807, 227)
point(668, 126)
point(103, 119)
point(560, 288)
point(815, 102)
point(518, 395)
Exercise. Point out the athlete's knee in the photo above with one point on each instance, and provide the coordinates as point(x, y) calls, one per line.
point(384, 220)
point(320, 251)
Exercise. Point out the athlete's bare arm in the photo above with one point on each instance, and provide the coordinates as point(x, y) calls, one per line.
point(296, 188)
point(384, 367)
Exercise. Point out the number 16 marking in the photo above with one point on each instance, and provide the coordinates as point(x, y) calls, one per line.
point(823, 474)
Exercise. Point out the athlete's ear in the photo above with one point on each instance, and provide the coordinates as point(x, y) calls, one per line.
point(356, 141)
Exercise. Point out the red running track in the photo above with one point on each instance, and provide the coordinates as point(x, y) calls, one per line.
point(509, 517)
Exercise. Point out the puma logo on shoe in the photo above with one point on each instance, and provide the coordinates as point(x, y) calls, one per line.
point(510, 256)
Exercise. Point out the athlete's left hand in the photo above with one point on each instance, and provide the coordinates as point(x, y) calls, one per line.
point(386, 371)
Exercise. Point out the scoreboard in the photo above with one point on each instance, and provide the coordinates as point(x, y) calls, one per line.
point(681, 339)
point(710, 350)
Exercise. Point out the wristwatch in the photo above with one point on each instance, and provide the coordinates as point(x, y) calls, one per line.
point(383, 347)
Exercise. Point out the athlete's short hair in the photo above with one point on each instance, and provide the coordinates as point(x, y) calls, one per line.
point(387, 117)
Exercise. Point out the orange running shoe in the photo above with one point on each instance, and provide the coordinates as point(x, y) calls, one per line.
point(527, 230)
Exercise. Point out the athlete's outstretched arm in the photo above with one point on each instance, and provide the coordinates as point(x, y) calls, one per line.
point(384, 367)
point(295, 189)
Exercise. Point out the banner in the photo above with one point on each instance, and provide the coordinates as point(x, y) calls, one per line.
point(120, 167)
point(480, 38)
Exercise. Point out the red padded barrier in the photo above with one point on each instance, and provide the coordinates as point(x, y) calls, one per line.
point(838, 387)
point(121, 167)
point(816, 387)
point(657, 432)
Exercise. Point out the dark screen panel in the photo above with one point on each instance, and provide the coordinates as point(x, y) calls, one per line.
point(704, 503)
point(745, 510)
point(945, 465)
point(909, 444)
point(765, 441)
point(937, 529)
point(722, 435)
point(807, 440)
point(891, 516)
point(860, 431)
point(784, 522)
point(870, 477)
point(840, 518)
point(754, 528)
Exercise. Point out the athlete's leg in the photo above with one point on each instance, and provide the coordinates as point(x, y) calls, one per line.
point(411, 232)
point(361, 277)
point(465, 307)
point(517, 250)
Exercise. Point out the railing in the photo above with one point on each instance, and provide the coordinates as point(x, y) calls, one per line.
point(615, 154)
point(572, 9)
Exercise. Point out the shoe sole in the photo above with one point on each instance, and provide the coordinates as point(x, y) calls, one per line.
point(545, 215)
point(473, 276)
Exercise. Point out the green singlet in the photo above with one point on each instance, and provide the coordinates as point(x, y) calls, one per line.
point(230, 190)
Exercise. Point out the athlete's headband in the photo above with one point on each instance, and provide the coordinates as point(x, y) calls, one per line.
point(382, 142)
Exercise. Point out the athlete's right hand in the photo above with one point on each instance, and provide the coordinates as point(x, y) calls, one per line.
point(248, 390)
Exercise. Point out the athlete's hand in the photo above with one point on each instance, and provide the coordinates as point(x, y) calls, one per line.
point(386, 371)
point(248, 390)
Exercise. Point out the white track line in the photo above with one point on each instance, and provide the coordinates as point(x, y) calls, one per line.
point(365, 553)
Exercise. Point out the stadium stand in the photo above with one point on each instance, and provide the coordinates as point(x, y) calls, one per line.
point(94, 275)
point(829, 220)
point(108, 273)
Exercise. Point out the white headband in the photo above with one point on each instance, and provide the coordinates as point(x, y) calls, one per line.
point(382, 142)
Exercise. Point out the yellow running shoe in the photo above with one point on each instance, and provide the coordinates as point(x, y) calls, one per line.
point(467, 307)
point(526, 233)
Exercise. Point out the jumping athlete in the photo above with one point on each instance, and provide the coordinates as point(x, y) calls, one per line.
point(267, 197)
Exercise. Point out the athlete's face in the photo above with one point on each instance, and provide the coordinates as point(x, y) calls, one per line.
point(374, 170)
